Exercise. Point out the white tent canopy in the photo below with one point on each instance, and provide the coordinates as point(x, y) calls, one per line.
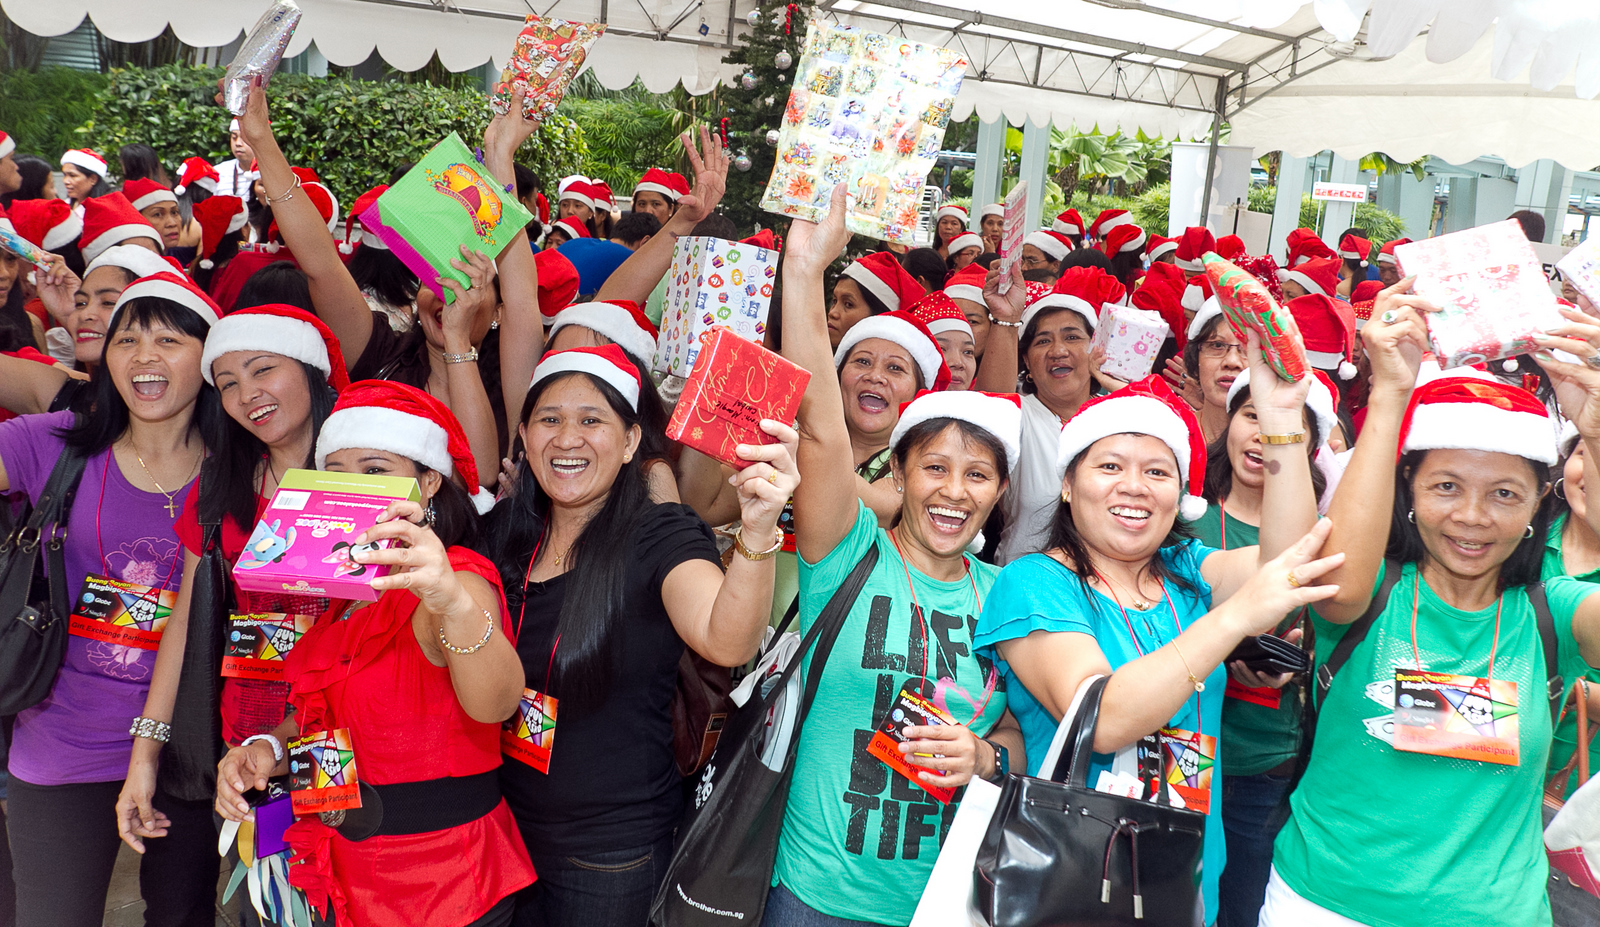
point(1280, 75)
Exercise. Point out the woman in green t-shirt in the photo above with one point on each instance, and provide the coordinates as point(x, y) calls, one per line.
point(1572, 548)
point(1420, 804)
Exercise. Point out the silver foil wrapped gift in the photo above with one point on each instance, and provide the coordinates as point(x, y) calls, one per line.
point(259, 55)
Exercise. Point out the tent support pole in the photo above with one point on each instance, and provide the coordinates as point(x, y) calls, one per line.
point(1211, 153)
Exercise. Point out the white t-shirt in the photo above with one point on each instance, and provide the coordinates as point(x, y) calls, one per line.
point(1030, 503)
point(235, 179)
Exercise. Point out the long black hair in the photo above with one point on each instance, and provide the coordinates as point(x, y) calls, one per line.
point(230, 484)
point(192, 195)
point(387, 277)
point(15, 330)
point(1219, 467)
point(927, 267)
point(1522, 568)
point(1126, 267)
point(140, 161)
point(227, 249)
point(600, 559)
point(280, 282)
point(455, 519)
point(93, 434)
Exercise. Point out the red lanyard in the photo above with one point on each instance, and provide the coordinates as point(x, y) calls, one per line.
point(1134, 637)
point(523, 610)
point(1222, 522)
point(916, 609)
point(177, 557)
point(1416, 587)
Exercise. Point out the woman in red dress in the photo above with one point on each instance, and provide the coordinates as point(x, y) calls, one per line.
point(421, 679)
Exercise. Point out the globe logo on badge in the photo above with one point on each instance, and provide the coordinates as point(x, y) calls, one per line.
point(1406, 701)
point(234, 636)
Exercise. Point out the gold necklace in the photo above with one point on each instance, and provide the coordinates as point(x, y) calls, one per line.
point(170, 506)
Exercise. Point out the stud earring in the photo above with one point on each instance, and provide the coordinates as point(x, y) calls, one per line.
point(898, 488)
point(1411, 516)
point(1528, 533)
point(1066, 498)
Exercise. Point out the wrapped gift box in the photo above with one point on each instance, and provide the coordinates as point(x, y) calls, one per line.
point(1490, 288)
point(1248, 304)
point(1131, 338)
point(734, 385)
point(549, 53)
point(1581, 265)
point(714, 282)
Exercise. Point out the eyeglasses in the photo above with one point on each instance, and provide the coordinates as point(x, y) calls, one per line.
point(1216, 349)
point(1031, 262)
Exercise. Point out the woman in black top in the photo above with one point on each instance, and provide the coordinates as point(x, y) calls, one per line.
point(604, 590)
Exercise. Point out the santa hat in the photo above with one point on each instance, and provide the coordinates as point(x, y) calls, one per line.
point(1328, 326)
point(964, 241)
point(543, 204)
point(606, 363)
point(1084, 290)
point(1473, 414)
point(320, 196)
point(218, 216)
point(576, 187)
point(967, 283)
point(1353, 247)
point(572, 227)
point(558, 283)
point(383, 415)
point(135, 260)
point(197, 172)
point(667, 183)
point(1196, 292)
point(50, 224)
point(941, 314)
point(1362, 298)
point(907, 331)
point(764, 239)
point(993, 209)
point(1195, 241)
point(1319, 275)
point(7, 144)
point(1036, 291)
point(1159, 246)
point(1054, 244)
point(1124, 238)
point(278, 329)
point(1068, 223)
point(1230, 247)
point(619, 320)
point(1108, 220)
point(1304, 245)
point(1145, 407)
point(1322, 400)
point(110, 220)
point(1162, 293)
point(881, 275)
point(602, 194)
point(1208, 310)
point(352, 222)
point(1000, 414)
point(173, 287)
point(1386, 253)
point(86, 159)
point(144, 193)
point(954, 212)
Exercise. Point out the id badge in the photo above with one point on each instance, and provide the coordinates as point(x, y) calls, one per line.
point(1265, 696)
point(1188, 760)
point(117, 612)
point(1464, 717)
point(530, 734)
point(257, 644)
point(909, 709)
point(322, 772)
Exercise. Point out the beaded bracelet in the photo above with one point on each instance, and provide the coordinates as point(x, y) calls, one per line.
point(488, 632)
point(151, 729)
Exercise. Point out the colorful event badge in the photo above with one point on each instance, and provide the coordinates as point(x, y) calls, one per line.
point(1465, 717)
point(322, 772)
point(257, 644)
point(909, 710)
point(116, 612)
point(1188, 761)
point(530, 734)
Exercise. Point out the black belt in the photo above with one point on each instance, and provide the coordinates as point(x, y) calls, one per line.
point(418, 807)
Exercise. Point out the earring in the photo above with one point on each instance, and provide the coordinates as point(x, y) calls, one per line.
point(627, 458)
point(898, 488)
point(429, 516)
point(1559, 490)
point(1066, 497)
point(1411, 516)
point(1528, 533)
point(494, 325)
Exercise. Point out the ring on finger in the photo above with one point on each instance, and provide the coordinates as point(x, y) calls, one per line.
point(773, 477)
point(1592, 361)
point(1294, 581)
point(1388, 317)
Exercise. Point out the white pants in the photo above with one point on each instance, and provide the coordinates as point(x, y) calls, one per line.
point(1283, 907)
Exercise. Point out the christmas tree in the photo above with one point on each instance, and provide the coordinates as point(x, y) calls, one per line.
point(753, 107)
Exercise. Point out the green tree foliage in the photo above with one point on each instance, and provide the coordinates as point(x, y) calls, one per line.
point(42, 108)
point(631, 130)
point(353, 132)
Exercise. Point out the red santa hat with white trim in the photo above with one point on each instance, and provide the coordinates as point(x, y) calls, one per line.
point(1195, 241)
point(576, 187)
point(1108, 220)
point(218, 216)
point(1159, 246)
point(51, 224)
point(558, 283)
point(1084, 290)
point(881, 275)
point(144, 193)
point(278, 329)
point(1386, 253)
point(572, 227)
point(1068, 223)
point(1230, 247)
point(1124, 238)
point(619, 320)
point(86, 159)
point(1328, 326)
point(906, 330)
point(110, 220)
point(1305, 245)
point(173, 287)
point(132, 258)
point(964, 241)
point(603, 198)
point(1161, 292)
point(1318, 276)
point(993, 209)
point(1477, 414)
point(606, 363)
point(1196, 293)
point(1322, 400)
point(1146, 407)
point(1209, 309)
point(383, 415)
point(953, 211)
point(941, 314)
point(1000, 414)
point(7, 144)
point(365, 237)
point(1054, 244)
point(197, 172)
point(967, 284)
point(669, 184)
point(1353, 247)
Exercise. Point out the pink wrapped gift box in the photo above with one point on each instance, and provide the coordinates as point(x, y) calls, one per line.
point(1132, 338)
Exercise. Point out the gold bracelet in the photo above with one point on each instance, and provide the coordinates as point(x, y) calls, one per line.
point(747, 553)
point(1199, 684)
point(488, 632)
point(1293, 437)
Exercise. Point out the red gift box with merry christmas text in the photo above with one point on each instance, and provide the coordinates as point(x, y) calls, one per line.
point(734, 385)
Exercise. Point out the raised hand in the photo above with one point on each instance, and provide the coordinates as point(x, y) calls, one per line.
point(1279, 403)
point(1396, 337)
point(458, 318)
point(812, 246)
point(710, 166)
point(1007, 308)
point(1577, 385)
point(768, 483)
point(1284, 584)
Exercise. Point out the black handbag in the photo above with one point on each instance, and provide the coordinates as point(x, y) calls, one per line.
point(34, 623)
point(721, 870)
point(1059, 854)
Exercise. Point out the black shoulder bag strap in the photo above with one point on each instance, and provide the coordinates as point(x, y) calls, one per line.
point(55, 504)
point(1551, 646)
point(827, 627)
point(1353, 637)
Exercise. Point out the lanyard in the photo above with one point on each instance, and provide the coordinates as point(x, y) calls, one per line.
point(100, 507)
point(1416, 587)
point(1222, 523)
point(523, 610)
point(1134, 637)
point(916, 609)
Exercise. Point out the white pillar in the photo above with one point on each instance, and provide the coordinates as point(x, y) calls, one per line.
point(986, 173)
point(1545, 187)
point(1286, 208)
point(1035, 158)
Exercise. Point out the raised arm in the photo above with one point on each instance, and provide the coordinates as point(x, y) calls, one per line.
point(468, 398)
point(28, 387)
point(521, 329)
point(338, 300)
point(639, 274)
point(997, 372)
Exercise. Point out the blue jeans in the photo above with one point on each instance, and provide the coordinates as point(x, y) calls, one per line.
point(610, 889)
point(1248, 805)
point(785, 910)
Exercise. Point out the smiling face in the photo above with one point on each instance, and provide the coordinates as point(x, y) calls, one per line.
point(951, 483)
point(77, 181)
point(1057, 358)
point(1244, 445)
point(1221, 362)
point(959, 356)
point(1472, 508)
point(978, 317)
point(848, 308)
point(267, 394)
point(576, 442)
point(91, 310)
point(166, 219)
point(430, 315)
point(156, 369)
point(1124, 493)
point(876, 378)
point(374, 462)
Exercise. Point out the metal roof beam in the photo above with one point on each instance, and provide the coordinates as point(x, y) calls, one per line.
point(1142, 7)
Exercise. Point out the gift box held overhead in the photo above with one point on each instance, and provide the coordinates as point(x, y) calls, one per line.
point(714, 282)
point(867, 110)
point(734, 385)
point(549, 53)
point(1131, 338)
point(447, 200)
point(1247, 304)
point(1490, 289)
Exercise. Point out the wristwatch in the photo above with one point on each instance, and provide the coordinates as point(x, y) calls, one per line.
point(1002, 762)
